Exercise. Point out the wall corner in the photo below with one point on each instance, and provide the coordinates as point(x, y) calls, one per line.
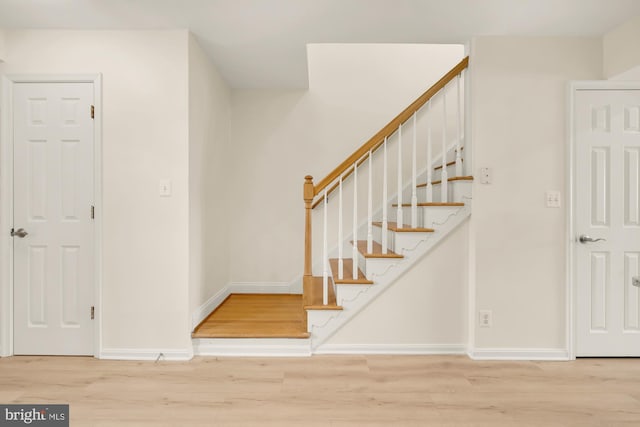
point(619, 49)
point(3, 46)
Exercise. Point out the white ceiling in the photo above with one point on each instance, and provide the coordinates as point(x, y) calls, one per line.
point(261, 43)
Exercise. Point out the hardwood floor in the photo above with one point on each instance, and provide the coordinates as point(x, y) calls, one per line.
point(330, 391)
point(255, 316)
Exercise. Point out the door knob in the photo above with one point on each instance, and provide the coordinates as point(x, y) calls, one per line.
point(586, 239)
point(19, 232)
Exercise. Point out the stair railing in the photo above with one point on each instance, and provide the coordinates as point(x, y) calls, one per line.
point(349, 167)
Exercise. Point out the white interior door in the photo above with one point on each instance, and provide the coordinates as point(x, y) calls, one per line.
point(53, 197)
point(607, 206)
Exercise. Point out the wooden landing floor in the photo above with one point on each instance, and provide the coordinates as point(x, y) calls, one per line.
point(255, 316)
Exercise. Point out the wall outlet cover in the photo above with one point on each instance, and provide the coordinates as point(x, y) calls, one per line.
point(164, 188)
point(552, 198)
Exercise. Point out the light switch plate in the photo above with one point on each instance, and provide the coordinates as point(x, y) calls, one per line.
point(165, 188)
point(486, 176)
point(553, 199)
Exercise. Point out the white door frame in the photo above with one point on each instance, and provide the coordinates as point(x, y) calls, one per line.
point(571, 294)
point(6, 200)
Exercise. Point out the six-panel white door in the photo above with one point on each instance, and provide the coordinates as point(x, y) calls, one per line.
point(607, 191)
point(53, 194)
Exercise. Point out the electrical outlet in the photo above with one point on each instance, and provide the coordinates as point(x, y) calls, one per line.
point(553, 199)
point(485, 318)
point(164, 188)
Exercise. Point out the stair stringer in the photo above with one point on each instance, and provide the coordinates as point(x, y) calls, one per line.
point(324, 324)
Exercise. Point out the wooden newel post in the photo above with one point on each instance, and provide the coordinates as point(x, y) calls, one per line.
point(308, 193)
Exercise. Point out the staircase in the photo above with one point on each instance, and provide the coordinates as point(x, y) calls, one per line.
point(420, 154)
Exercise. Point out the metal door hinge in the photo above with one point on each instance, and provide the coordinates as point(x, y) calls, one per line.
point(93, 112)
point(93, 312)
point(93, 212)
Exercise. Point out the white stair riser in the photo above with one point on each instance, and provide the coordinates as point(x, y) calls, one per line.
point(457, 190)
point(407, 241)
point(372, 266)
point(403, 240)
point(252, 347)
point(377, 236)
point(378, 266)
point(319, 318)
point(462, 190)
point(347, 293)
point(434, 216)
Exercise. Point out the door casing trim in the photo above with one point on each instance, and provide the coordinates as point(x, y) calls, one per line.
point(6, 200)
point(571, 295)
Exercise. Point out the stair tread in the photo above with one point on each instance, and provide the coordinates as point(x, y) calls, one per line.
point(313, 295)
point(453, 178)
point(427, 204)
point(393, 226)
point(347, 267)
point(377, 251)
point(448, 164)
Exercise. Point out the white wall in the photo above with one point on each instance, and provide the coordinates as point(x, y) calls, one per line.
point(278, 137)
point(519, 122)
point(209, 213)
point(145, 138)
point(3, 50)
point(153, 81)
point(425, 306)
point(620, 50)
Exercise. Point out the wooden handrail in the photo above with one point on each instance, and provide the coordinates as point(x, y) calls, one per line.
point(376, 141)
point(337, 183)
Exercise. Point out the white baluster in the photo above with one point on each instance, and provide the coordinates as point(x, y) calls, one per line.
point(414, 188)
point(340, 257)
point(399, 219)
point(325, 257)
point(355, 221)
point(429, 187)
point(459, 171)
point(385, 223)
point(444, 177)
point(370, 207)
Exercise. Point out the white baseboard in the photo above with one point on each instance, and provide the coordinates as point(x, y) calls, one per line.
point(256, 347)
point(211, 304)
point(406, 349)
point(146, 354)
point(519, 354)
point(262, 288)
